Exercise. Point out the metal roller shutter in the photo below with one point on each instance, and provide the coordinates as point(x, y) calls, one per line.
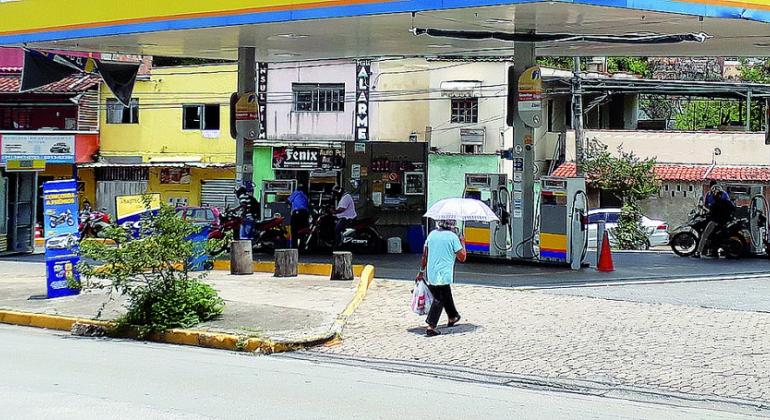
point(218, 193)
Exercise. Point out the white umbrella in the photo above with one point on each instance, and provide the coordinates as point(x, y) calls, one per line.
point(464, 209)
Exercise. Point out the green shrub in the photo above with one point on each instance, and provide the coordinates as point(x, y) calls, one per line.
point(151, 272)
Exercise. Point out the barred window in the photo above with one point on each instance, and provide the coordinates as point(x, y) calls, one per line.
point(119, 114)
point(328, 97)
point(465, 110)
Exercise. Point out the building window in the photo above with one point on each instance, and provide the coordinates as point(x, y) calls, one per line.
point(465, 110)
point(328, 97)
point(119, 114)
point(200, 117)
point(471, 149)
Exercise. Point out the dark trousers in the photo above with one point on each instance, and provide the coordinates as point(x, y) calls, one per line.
point(442, 300)
point(342, 224)
point(299, 221)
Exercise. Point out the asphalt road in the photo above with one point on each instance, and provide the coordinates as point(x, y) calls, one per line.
point(64, 377)
point(629, 267)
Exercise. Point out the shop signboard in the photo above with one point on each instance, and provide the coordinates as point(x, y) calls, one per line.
point(363, 76)
point(60, 217)
point(50, 148)
point(307, 158)
point(262, 99)
point(130, 208)
point(175, 176)
point(36, 165)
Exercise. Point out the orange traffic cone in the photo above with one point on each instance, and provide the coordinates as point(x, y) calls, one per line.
point(605, 257)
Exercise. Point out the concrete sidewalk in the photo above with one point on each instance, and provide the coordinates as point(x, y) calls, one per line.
point(258, 305)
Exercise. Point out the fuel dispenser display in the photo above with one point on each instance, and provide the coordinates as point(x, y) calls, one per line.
point(488, 239)
point(563, 233)
point(274, 196)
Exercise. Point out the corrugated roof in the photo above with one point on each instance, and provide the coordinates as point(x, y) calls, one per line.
point(693, 173)
point(9, 83)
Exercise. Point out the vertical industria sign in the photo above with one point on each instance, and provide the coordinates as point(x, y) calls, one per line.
point(363, 77)
point(262, 99)
point(60, 218)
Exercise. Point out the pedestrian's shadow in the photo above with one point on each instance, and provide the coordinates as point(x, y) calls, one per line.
point(457, 329)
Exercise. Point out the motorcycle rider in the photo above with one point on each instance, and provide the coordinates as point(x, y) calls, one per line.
point(249, 209)
point(300, 213)
point(720, 208)
point(345, 211)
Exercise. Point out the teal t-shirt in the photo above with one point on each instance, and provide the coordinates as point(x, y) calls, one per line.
point(442, 248)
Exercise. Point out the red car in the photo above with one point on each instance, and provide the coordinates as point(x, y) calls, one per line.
point(201, 216)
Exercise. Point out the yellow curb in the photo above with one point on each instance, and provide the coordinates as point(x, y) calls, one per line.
point(367, 278)
point(312, 269)
point(196, 338)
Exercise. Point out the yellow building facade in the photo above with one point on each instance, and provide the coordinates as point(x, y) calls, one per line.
point(174, 139)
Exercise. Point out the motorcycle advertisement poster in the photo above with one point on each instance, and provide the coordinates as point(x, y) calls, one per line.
point(60, 209)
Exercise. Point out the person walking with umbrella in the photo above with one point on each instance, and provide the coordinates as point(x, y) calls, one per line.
point(443, 247)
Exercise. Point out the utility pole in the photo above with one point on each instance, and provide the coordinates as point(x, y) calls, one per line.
point(748, 110)
point(577, 116)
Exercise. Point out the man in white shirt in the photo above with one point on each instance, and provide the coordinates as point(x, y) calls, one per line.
point(345, 211)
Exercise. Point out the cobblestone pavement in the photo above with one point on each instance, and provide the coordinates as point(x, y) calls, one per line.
point(710, 353)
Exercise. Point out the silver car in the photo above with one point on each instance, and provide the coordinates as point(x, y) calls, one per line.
point(66, 241)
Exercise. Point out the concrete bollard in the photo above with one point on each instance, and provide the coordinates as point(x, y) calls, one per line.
point(241, 261)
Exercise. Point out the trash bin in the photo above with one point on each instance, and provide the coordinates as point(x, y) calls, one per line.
point(200, 260)
point(415, 239)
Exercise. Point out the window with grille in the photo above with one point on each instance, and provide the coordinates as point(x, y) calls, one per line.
point(119, 114)
point(465, 110)
point(327, 97)
point(200, 117)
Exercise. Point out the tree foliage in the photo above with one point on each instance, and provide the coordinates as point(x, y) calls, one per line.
point(152, 272)
point(635, 65)
point(629, 178)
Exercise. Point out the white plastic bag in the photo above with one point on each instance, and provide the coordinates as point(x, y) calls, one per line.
point(421, 298)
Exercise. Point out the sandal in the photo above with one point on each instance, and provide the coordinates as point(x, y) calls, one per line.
point(432, 333)
point(452, 322)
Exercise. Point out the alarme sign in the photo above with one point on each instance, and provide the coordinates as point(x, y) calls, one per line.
point(363, 76)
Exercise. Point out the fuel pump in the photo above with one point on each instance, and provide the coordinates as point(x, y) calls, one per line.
point(563, 235)
point(488, 239)
point(274, 196)
point(751, 204)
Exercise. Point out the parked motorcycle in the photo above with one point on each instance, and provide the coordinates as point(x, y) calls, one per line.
point(229, 221)
point(60, 218)
point(267, 234)
point(93, 224)
point(361, 237)
point(270, 234)
point(732, 239)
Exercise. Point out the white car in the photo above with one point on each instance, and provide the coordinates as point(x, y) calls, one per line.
point(65, 241)
point(657, 230)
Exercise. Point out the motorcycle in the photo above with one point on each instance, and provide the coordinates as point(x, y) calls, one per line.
point(732, 239)
point(267, 234)
point(60, 218)
point(229, 221)
point(361, 237)
point(270, 234)
point(93, 224)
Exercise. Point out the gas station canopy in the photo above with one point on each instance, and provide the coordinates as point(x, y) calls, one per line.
point(297, 30)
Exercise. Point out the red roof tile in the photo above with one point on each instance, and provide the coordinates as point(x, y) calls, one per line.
point(9, 83)
point(693, 173)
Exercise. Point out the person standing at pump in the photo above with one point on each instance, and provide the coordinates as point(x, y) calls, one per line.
point(443, 247)
point(300, 213)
